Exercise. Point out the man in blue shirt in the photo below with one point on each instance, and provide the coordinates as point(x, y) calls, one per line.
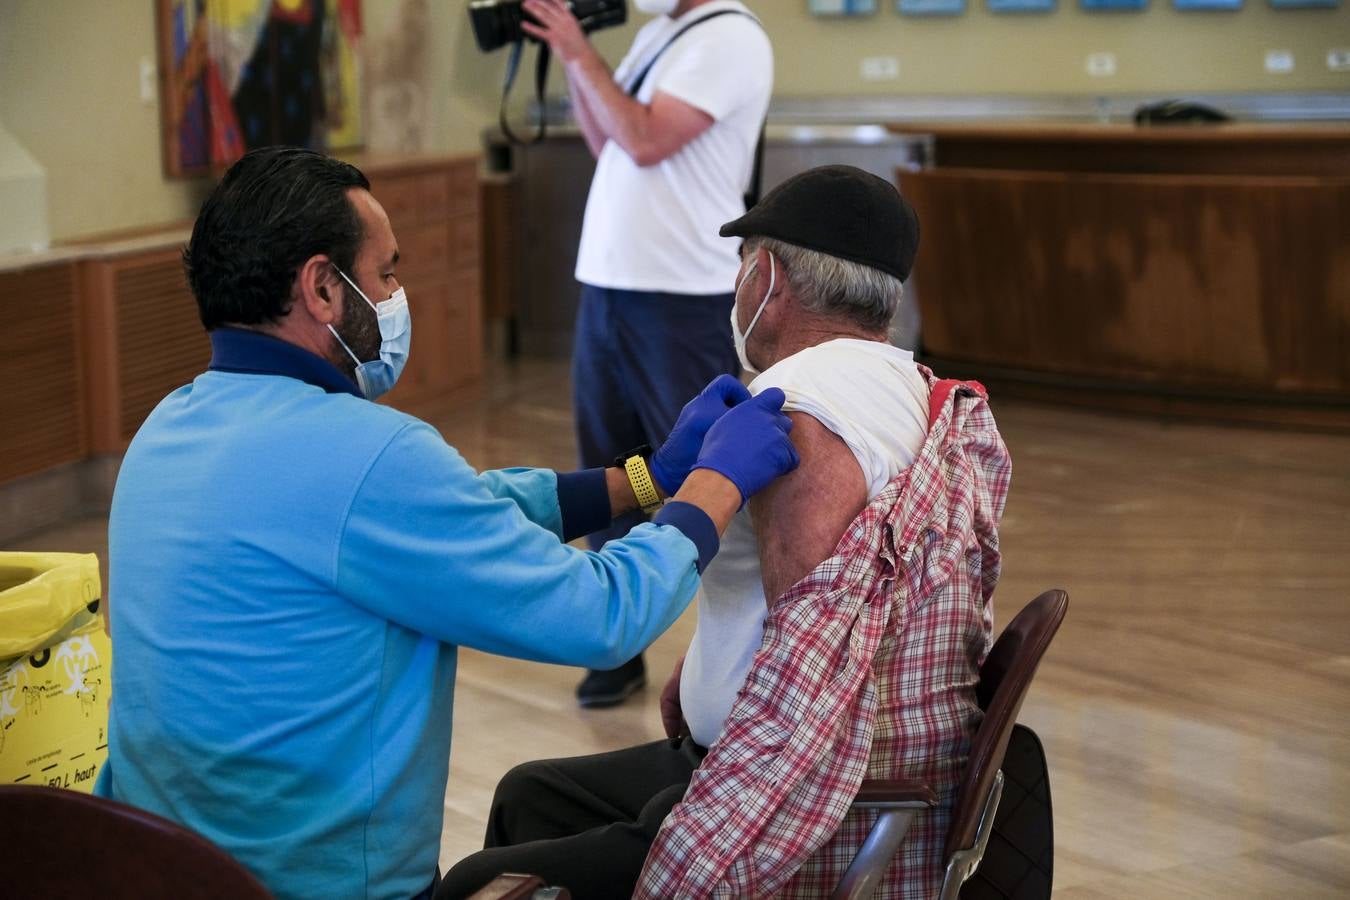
point(292, 566)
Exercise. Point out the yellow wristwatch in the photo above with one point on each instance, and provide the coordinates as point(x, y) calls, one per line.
point(634, 465)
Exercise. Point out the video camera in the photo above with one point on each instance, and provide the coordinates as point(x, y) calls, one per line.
point(496, 23)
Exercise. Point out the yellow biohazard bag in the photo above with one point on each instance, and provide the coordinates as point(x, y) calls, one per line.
point(55, 663)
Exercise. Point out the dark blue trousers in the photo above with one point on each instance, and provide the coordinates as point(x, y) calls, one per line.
point(638, 358)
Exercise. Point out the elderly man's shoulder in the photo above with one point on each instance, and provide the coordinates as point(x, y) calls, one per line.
point(842, 361)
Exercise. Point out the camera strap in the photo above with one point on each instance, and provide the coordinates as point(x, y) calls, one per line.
point(540, 80)
point(751, 196)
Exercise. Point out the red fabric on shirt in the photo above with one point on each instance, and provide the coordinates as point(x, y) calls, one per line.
point(868, 669)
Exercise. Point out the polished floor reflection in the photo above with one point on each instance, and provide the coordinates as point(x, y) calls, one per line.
point(1195, 706)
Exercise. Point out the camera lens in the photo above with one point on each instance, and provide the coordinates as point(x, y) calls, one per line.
point(496, 23)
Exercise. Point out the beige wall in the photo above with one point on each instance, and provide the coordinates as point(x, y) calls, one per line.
point(1157, 50)
point(69, 80)
point(70, 93)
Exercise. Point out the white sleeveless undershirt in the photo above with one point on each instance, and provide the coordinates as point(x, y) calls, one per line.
point(874, 398)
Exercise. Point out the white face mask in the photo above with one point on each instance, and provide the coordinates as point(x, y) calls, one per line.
point(736, 335)
point(656, 7)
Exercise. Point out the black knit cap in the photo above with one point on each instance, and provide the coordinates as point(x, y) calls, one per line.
point(840, 211)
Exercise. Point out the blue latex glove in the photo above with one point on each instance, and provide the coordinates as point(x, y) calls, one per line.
point(750, 445)
point(671, 464)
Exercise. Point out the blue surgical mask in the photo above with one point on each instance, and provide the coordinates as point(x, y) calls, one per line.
point(377, 377)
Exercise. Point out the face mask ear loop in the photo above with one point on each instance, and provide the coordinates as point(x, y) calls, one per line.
point(744, 278)
point(773, 277)
point(340, 341)
point(354, 287)
point(343, 345)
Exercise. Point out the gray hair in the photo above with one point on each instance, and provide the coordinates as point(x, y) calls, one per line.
point(836, 287)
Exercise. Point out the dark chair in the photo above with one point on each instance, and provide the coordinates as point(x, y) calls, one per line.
point(1004, 679)
point(62, 843)
point(511, 886)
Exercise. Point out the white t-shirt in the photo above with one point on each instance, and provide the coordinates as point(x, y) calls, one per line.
point(655, 228)
point(873, 396)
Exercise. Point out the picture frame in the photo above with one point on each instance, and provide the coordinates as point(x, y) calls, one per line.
point(930, 7)
point(239, 74)
point(841, 8)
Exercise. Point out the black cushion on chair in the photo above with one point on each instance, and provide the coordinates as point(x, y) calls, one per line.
point(1019, 861)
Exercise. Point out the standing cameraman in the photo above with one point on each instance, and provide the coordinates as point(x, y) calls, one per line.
point(674, 130)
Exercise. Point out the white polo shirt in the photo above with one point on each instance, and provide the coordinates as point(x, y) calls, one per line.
point(655, 228)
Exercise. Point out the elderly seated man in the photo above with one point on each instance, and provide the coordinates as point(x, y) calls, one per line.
point(841, 629)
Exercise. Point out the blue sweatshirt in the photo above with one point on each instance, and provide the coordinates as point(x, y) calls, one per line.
point(292, 569)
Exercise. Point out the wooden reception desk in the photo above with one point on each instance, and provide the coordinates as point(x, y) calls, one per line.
point(1188, 270)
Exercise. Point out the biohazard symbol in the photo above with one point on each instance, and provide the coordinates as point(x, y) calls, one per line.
point(78, 657)
point(13, 689)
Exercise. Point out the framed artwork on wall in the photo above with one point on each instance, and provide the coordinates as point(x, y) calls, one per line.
point(930, 7)
point(842, 7)
point(240, 74)
point(1021, 6)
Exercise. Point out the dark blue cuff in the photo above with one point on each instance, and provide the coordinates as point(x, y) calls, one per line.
point(697, 526)
point(583, 498)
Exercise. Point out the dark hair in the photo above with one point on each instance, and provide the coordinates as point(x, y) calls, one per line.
point(274, 209)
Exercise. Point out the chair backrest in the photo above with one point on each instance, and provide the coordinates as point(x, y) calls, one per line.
point(67, 844)
point(1004, 679)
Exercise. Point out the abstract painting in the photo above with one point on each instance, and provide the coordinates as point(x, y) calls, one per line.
point(240, 74)
point(842, 7)
point(1021, 6)
point(931, 7)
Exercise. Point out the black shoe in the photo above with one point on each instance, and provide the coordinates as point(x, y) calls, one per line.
point(610, 687)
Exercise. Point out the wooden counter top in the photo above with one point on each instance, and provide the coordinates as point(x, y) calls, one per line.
point(1236, 148)
point(1182, 270)
point(1097, 132)
point(111, 245)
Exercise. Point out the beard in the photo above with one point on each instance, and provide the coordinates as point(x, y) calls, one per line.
point(359, 330)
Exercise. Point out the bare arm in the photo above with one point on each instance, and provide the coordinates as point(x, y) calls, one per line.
point(581, 110)
point(648, 133)
point(800, 518)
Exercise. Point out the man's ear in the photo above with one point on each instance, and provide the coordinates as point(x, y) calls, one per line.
point(318, 288)
point(768, 266)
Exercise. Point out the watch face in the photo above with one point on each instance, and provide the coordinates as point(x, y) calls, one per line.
point(645, 451)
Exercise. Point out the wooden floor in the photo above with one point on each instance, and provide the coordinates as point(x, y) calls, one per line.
point(1195, 706)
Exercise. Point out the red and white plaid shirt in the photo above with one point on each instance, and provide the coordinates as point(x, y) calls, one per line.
point(868, 669)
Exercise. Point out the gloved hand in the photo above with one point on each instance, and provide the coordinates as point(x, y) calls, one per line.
point(671, 464)
point(749, 444)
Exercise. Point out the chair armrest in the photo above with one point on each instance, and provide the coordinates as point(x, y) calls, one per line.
point(512, 886)
point(881, 793)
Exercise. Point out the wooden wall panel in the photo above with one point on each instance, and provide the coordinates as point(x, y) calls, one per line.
point(93, 341)
point(1218, 282)
point(434, 209)
point(160, 342)
point(500, 255)
point(40, 371)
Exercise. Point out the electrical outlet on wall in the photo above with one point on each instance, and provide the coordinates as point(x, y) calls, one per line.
point(1101, 64)
point(879, 68)
point(1279, 62)
point(1338, 59)
point(147, 73)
